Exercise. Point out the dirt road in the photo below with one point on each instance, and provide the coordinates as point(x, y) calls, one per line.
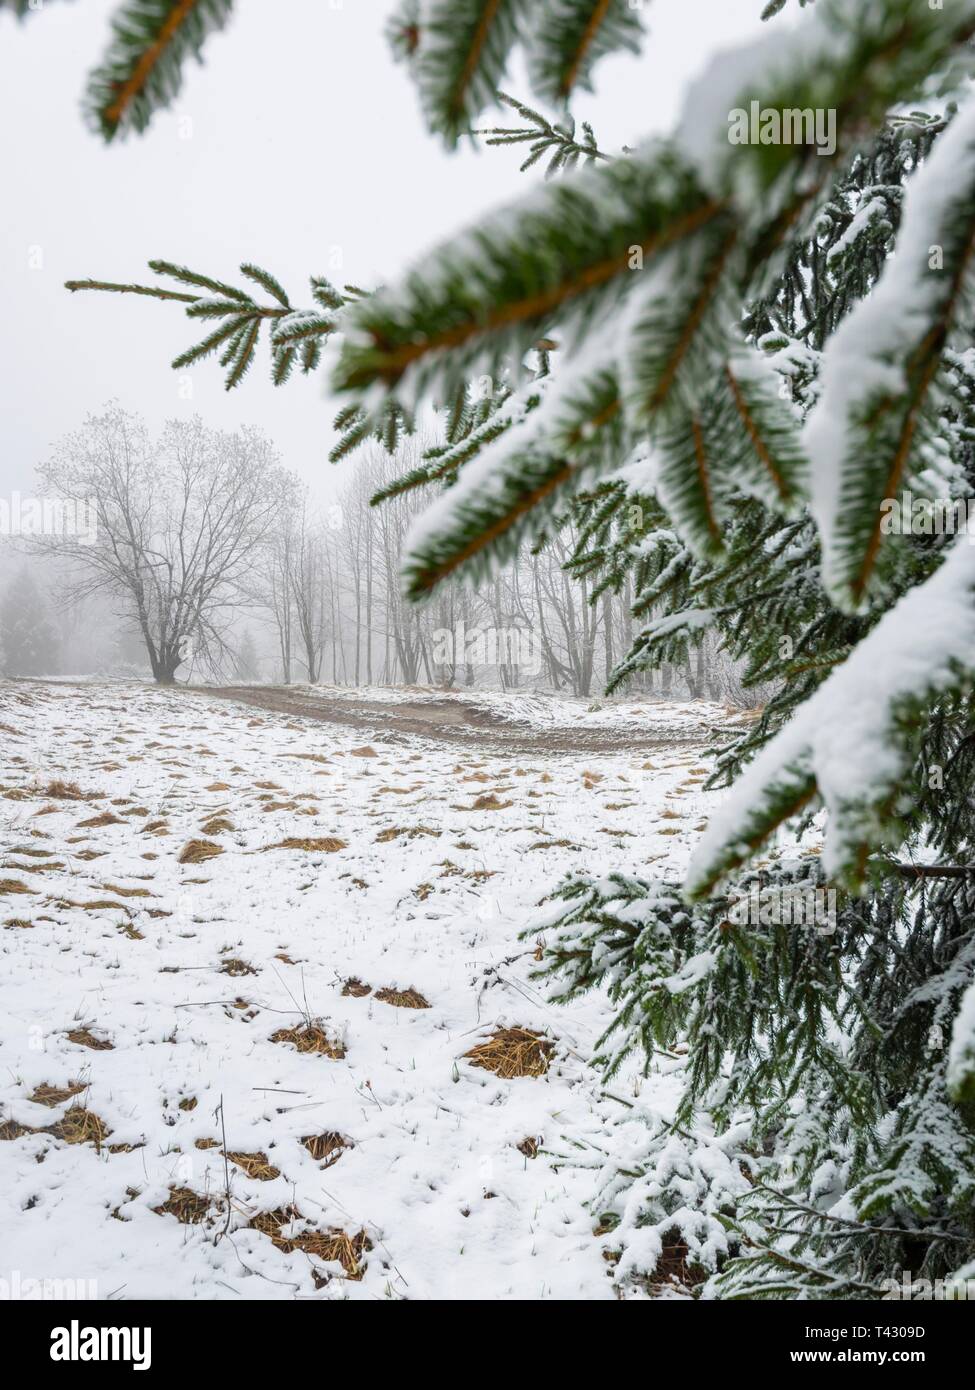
point(455, 721)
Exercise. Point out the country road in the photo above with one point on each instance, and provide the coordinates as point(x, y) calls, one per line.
point(456, 721)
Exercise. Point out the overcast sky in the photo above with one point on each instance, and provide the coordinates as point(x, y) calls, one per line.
point(305, 144)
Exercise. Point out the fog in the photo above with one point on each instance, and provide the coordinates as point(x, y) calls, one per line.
point(298, 145)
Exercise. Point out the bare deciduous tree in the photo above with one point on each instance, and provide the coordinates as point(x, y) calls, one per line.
point(179, 522)
point(197, 527)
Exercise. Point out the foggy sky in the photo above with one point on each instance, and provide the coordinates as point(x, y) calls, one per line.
point(305, 140)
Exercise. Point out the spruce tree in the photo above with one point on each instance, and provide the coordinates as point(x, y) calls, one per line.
point(724, 361)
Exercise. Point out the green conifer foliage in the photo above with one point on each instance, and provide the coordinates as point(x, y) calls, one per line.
point(142, 69)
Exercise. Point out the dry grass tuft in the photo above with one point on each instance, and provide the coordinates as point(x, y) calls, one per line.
point(13, 885)
point(329, 1245)
point(96, 905)
point(327, 844)
point(50, 1096)
point(412, 832)
point(255, 1165)
point(489, 802)
point(327, 1148)
point(80, 1126)
point(127, 892)
point(197, 851)
point(512, 1052)
point(402, 998)
point(51, 866)
point(217, 825)
point(335, 1245)
point(356, 987)
point(66, 791)
point(186, 1205)
point(10, 1129)
point(674, 1269)
point(19, 922)
point(97, 822)
point(311, 1037)
point(269, 1223)
point(85, 1038)
point(234, 966)
point(452, 870)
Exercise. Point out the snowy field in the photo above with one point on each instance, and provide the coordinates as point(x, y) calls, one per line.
point(163, 1135)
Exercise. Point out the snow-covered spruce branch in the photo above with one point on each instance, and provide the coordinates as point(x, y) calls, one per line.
point(806, 1156)
point(142, 68)
point(856, 739)
point(296, 335)
point(674, 222)
point(459, 51)
point(556, 141)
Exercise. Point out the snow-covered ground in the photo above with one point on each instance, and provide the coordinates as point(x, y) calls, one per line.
point(157, 986)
